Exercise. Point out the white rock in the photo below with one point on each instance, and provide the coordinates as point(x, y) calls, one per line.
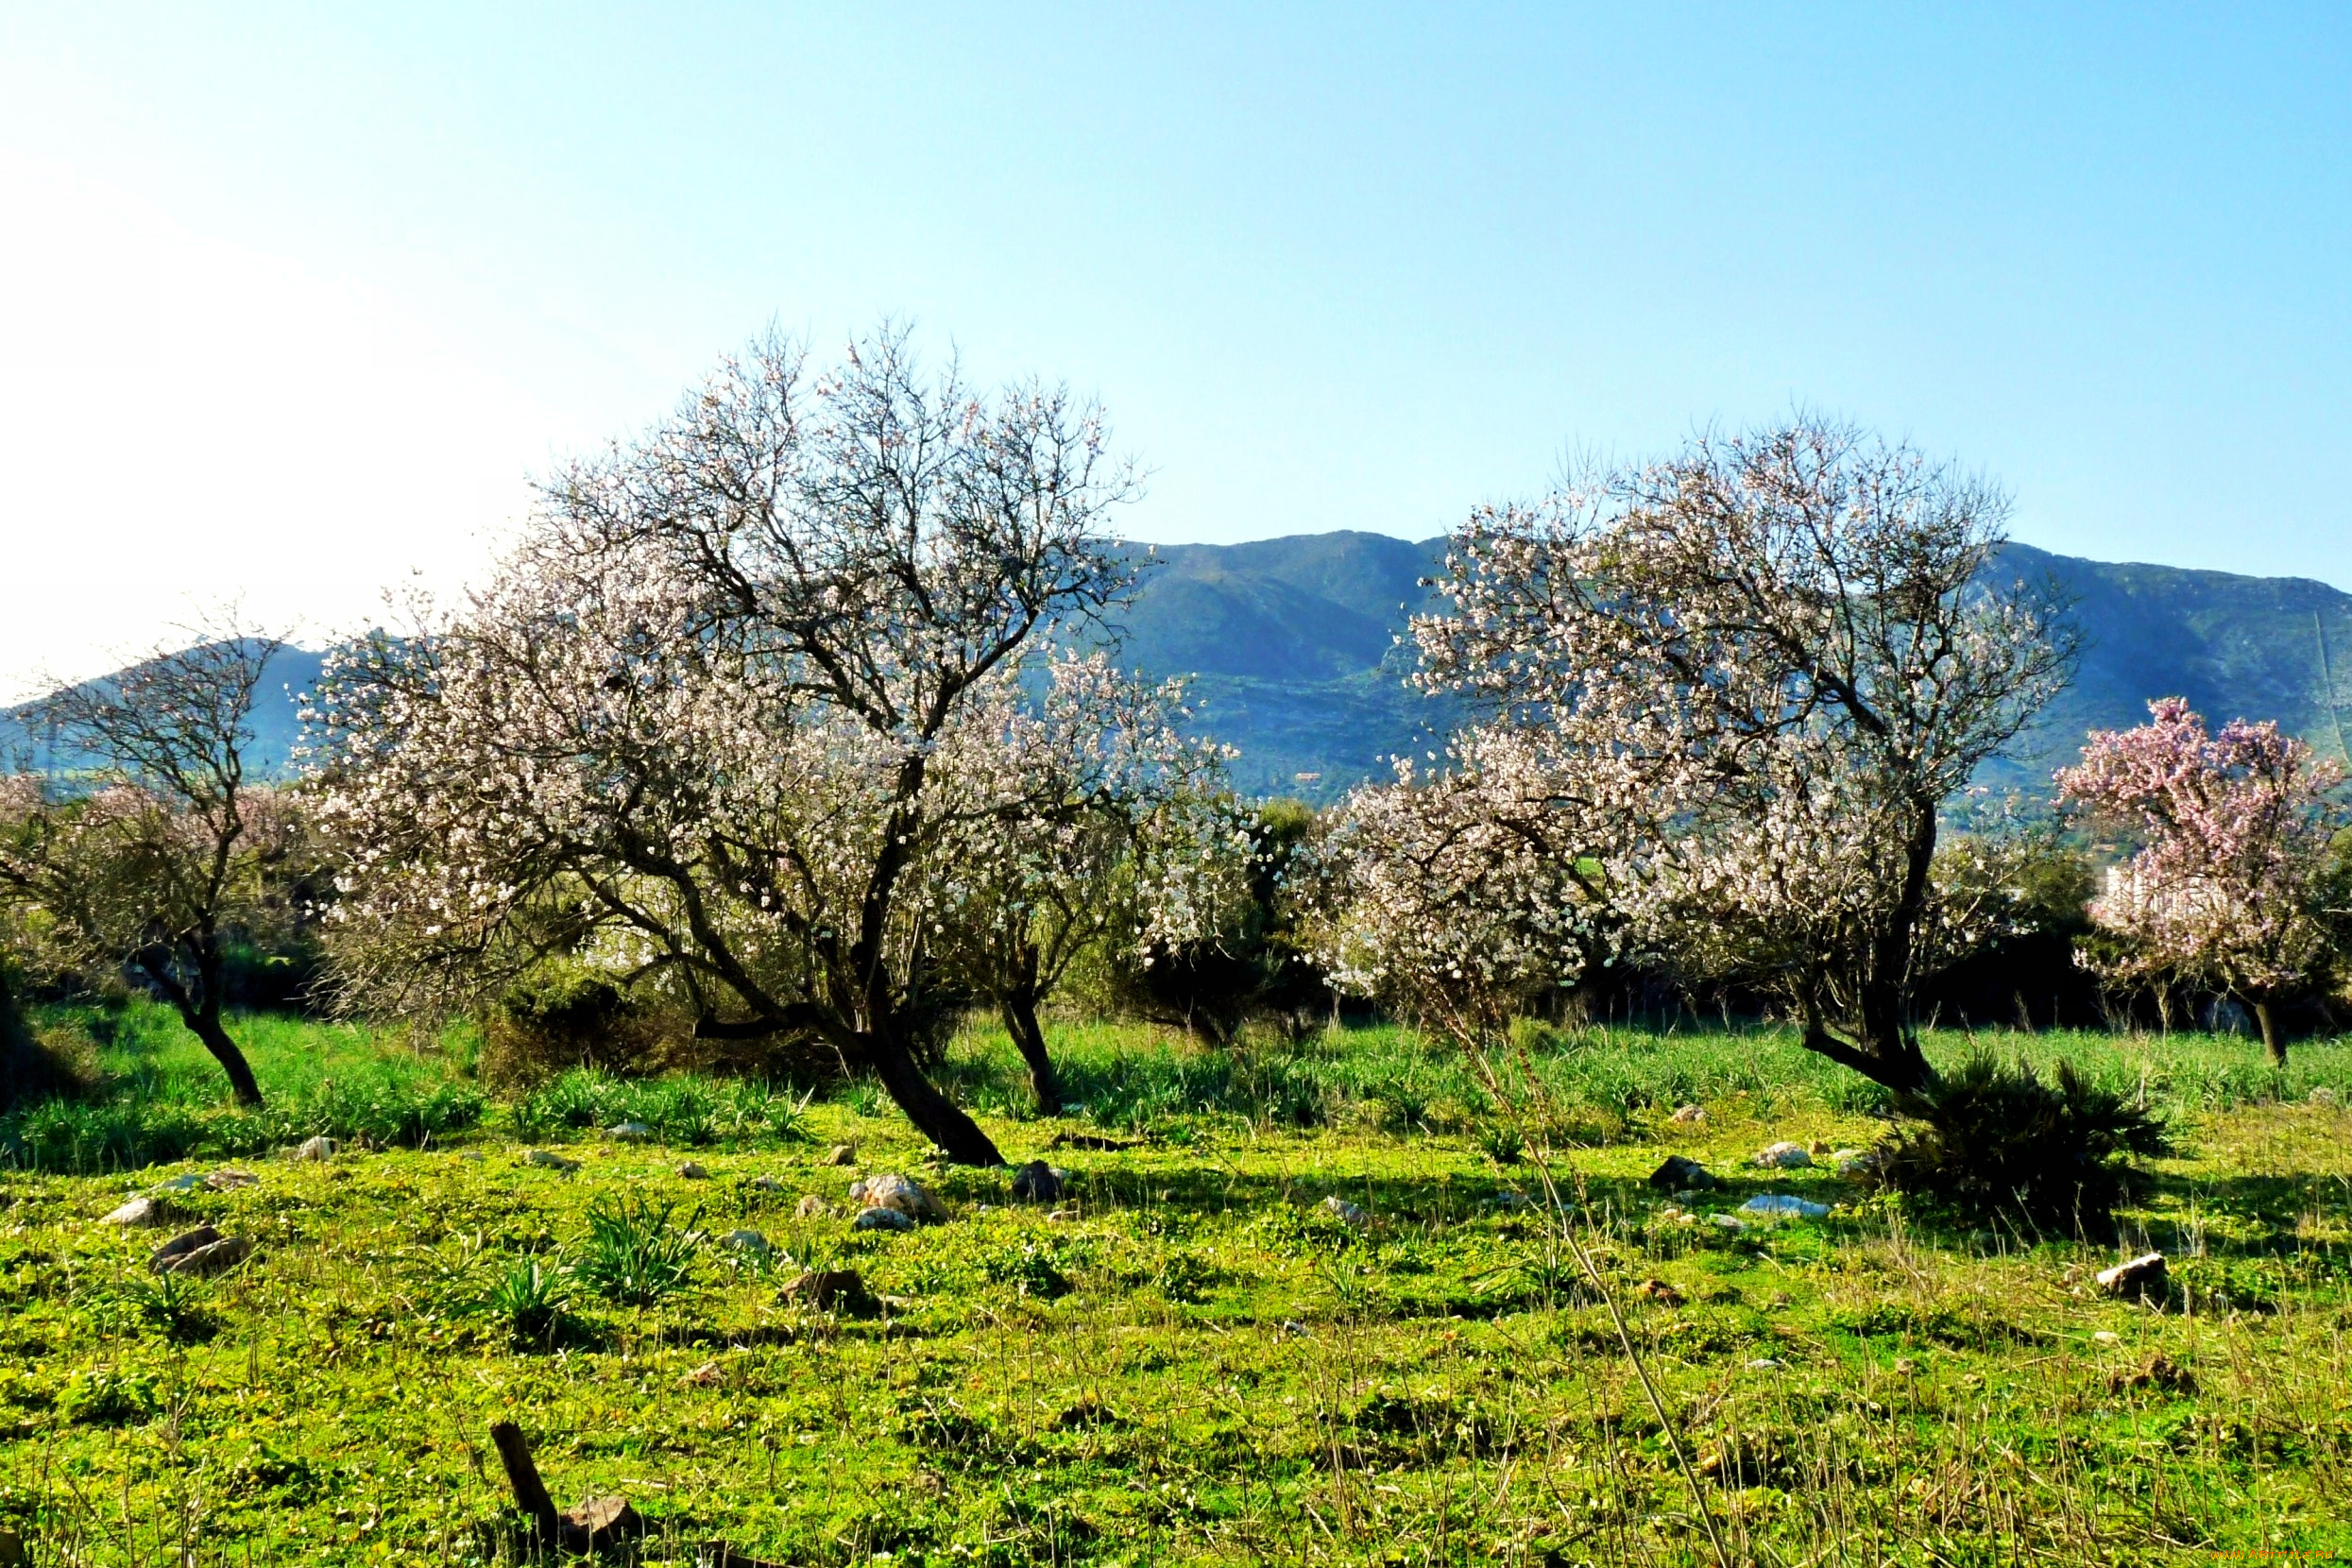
point(1725, 1222)
point(1779, 1206)
point(320, 1147)
point(1689, 1115)
point(747, 1242)
point(890, 1190)
point(2138, 1277)
point(629, 1131)
point(878, 1219)
point(2106, 1336)
point(138, 1211)
point(693, 1171)
point(1346, 1213)
point(2323, 1096)
point(1785, 1156)
point(1764, 1363)
point(765, 1184)
point(547, 1159)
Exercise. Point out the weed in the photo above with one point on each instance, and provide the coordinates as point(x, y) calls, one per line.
point(634, 1254)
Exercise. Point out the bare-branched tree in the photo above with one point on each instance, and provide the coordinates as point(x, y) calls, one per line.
point(1768, 662)
point(714, 722)
point(156, 848)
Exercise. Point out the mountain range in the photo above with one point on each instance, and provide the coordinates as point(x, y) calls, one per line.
point(1291, 645)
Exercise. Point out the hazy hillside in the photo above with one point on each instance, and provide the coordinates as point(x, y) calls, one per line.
point(1291, 644)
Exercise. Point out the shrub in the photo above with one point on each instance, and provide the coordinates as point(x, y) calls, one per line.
point(561, 1016)
point(1998, 1142)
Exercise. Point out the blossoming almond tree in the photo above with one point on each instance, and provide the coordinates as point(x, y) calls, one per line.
point(1458, 896)
point(2236, 827)
point(723, 708)
point(161, 852)
point(1125, 839)
point(1764, 663)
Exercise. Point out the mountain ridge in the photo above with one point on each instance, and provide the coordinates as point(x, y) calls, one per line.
point(1292, 647)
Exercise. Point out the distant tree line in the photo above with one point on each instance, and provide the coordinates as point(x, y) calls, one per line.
point(793, 731)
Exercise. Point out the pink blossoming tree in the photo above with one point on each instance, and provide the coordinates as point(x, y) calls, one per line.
point(1730, 694)
point(2234, 826)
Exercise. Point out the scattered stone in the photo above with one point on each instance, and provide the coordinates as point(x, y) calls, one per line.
point(1773, 1205)
point(890, 1190)
point(138, 1213)
point(218, 1258)
point(884, 1219)
point(2106, 1336)
point(2142, 1276)
point(629, 1131)
point(1679, 1174)
point(704, 1375)
point(764, 1184)
point(2162, 1374)
point(319, 1148)
point(1764, 1363)
point(1854, 1162)
point(843, 1153)
point(472, 1156)
point(547, 1159)
point(599, 1524)
point(1659, 1291)
point(2323, 1096)
point(1686, 1220)
point(826, 1289)
point(813, 1207)
point(1688, 1116)
point(1785, 1156)
point(1346, 1213)
point(693, 1171)
point(1725, 1222)
point(180, 1246)
point(747, 1242)
point(1037, 1182)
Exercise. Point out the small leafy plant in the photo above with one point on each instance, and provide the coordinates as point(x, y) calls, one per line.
point(636, 1254)
point(532, 1300)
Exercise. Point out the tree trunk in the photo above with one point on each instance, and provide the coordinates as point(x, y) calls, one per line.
point(2272, 1041)
point(1882, 1051)
point(1019, 1008)
point(241, 1080)
point(934, 1116)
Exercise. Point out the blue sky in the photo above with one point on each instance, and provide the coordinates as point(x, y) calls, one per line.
point(294, 302)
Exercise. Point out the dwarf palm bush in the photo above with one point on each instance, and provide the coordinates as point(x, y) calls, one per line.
point(1995, 1141)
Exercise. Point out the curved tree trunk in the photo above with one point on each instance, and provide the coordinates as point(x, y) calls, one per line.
point(1020, 1009)
point(232, 1060)
point(2272, 1041)
point(934, 1116)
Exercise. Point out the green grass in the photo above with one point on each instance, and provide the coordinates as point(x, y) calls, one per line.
point(1196, 1361)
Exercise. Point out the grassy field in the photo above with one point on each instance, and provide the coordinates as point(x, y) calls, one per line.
point(1191, 1359)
